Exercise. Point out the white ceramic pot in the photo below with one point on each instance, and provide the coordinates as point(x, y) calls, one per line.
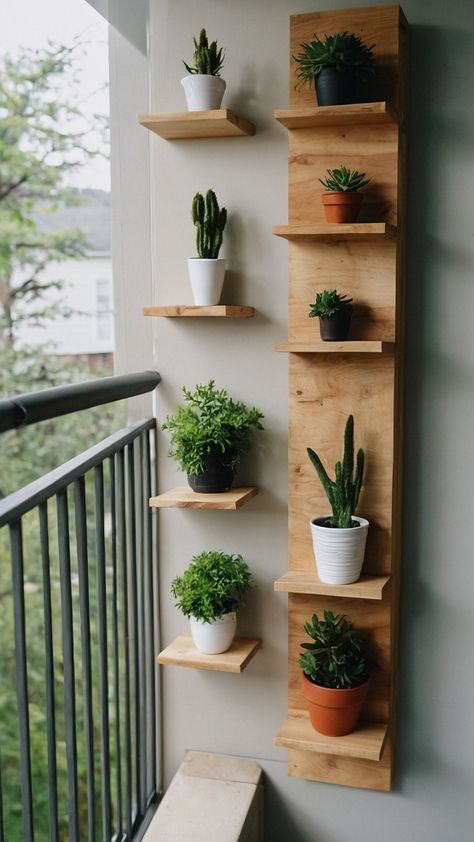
point(216, 637)
point(203, 92)
point(339, 553)
point(207, 279)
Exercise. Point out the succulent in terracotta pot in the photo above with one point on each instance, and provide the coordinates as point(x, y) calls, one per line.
point(334, 313)
point(340, 65)
point(342, 200)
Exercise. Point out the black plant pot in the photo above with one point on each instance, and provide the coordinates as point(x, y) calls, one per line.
point(218, 474)
point(337, 88)
point(336, 328)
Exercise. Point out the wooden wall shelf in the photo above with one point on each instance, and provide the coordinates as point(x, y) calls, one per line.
point(184, 497)
point(185, 125)
point(188, 311)
point(355, 346)
point(183, 653)
point(327, 232)
point(366, 742)
point(359, 114)
point(307, 582)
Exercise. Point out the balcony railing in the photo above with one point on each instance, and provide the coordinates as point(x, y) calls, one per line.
point(78, 633)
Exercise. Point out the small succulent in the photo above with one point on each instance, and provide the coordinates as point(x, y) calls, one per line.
point(208, 60)
point(343, 492)
point(337, 657)
point(210, 221)
point(328, 303)
point(344, 180)
point(343, 50)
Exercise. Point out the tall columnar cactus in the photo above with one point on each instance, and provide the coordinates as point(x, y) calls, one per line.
point(208, 59)
point(210, 223)
point(343, 492)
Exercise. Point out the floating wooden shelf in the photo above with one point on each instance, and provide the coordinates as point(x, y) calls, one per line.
point(337, 115)
point(330, 231)
point(188, 311)
point(184, 125)
point(366, 742)
point(302, 581)
point(356, 346)
point(184, 497)
point(183, 653)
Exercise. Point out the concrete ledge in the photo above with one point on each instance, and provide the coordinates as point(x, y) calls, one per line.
point(211, 797)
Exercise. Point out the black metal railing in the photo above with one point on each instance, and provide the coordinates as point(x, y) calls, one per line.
point(78, 636)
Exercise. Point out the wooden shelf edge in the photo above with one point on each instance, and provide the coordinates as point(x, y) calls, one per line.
point(304, 582)
point(355, 346)
point(367, 742)
point(186, 125)
point(183, 497)
point(337, 115)
point(336, 231)
point(189, 311)
point(183, 653)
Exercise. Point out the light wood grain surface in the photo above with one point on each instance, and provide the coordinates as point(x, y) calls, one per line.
point(362, 113)
point(366, 742)
point(183, 653)
point(184, 497)
point(188, 311)
point(308, 582)
point(185, 125)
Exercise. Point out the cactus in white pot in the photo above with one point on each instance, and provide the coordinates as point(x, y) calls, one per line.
point(204, 87)
point(207, 271)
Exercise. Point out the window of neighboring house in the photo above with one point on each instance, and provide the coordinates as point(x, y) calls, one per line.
point(103, 309)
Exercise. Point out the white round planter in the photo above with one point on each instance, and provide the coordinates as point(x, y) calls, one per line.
point(203, 92)
point(216, 637)
point(339, 553)
point(207, 279)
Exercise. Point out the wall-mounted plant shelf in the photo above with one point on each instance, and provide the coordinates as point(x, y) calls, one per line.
point(183, 653)
point(185, 125)
point(328, 232)
point(307, 582)
point(356, 346)
point(184, 497)
point(365, 743)
point(359, 114)
point(187, 311)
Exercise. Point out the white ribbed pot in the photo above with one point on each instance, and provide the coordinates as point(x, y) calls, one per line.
point(207, 279)
point(203, 92)
point(339, 553)
point(214, 638)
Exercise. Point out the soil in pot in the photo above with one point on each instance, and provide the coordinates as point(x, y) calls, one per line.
point(336, 88)
point(218, 474)
point(334, 712)
point(342, 207)
point(336, 328)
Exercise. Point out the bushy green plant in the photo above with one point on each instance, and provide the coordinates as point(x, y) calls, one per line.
point(337, 657)
point(344, 180)
point(210, 421)
point(210, 221)
point(343, 492)
point(328, 303)
point(213, 585)
point(343, 51)
point(208, 60)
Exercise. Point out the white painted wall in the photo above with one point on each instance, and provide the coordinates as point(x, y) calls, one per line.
point(432, 799)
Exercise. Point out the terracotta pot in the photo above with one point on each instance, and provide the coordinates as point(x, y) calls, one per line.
point(334, 712)
point(342, 207)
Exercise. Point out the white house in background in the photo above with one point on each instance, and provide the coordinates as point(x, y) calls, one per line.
point(88, 286)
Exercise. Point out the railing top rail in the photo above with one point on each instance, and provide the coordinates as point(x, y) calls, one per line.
point(37, 492)
point(31, 407)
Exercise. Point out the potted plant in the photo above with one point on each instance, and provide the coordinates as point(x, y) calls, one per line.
point(341, 200)
point(340, 64)
point(209, 433)
point(210, 592)
point(207, 271)
point(204, 87)
point(335, 674)
point(339, 539)
point(334, 313)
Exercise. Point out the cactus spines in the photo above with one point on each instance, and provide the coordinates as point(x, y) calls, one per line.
point(343, 492)
point(210, 221)
point(208, 60)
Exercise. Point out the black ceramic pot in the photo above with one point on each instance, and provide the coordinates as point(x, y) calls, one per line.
point(336, 328)
point(218, 474)
point(336, 88)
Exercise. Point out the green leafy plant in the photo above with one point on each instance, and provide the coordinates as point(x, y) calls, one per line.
point(344, 180)
point(343, 492)
point(208, 60)
point(337, 657)
point(328, 303)
point(343, 51)
point(213, 585)
point(210, 221)
point(210, 421)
